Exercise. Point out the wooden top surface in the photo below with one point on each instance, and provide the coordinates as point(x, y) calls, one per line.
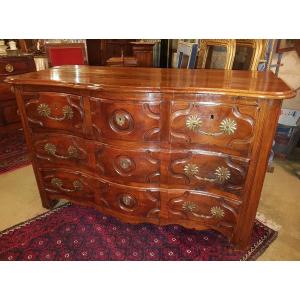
point(236, 83)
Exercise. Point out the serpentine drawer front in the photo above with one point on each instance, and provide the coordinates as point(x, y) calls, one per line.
point(55, 111)
point(163, 146)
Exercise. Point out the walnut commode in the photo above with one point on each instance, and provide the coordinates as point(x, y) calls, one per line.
point(162, 146)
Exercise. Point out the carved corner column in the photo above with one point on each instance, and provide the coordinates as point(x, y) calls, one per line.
point(46, 202)
point(270, 111)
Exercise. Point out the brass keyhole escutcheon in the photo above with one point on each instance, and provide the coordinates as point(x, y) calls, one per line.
point(9, 68)
point(120, 119)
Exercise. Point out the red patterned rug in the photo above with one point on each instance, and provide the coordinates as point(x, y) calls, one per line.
point(72, 232)
point(13, 151)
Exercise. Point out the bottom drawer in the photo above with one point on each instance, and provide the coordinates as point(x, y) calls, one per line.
point(127, 203)
point(191, 209)
point(200, 210)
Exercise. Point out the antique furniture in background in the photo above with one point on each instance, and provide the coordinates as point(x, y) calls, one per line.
point(11, 65)
point(164, 146)
point(41, 62)
point(247, 54)
point(66, 54)
point(216, 54)
point(99, 51)
point(143, 51)
point(186, 55)
point(32, 46)
point(122, 61)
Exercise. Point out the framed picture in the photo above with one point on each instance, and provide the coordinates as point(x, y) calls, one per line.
point(285, 45)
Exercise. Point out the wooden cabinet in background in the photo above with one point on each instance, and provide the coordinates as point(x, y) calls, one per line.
point(143, 51)
point(11, 65)
point(99, 51)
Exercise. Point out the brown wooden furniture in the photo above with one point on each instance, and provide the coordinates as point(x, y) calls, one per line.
point(206, 53)
point(11, 65)
point(143, 51)
point(66, 54)
point(99, 51)
point(248, 54)
point(122, 61)
point(153, 145)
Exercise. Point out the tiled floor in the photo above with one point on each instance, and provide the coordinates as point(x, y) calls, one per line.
point(19, 201)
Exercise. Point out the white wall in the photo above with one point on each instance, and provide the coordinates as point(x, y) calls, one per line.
point(290, 73)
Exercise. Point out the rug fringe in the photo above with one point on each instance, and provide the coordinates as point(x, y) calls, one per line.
point(267, 222)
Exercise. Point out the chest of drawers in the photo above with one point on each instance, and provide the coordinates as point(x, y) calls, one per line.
point(11, 65)
point(163, 146)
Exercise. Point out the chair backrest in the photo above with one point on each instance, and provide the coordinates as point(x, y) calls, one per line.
point(66, 54)
point(188, 50)
point(248, 54)
point(216, 54)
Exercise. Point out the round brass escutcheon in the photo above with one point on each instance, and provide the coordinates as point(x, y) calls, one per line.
point(127, 202)
point(125, 163)
point(9, 68)
point(121, 120)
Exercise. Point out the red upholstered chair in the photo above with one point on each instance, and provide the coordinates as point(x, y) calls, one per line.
point(66, 54)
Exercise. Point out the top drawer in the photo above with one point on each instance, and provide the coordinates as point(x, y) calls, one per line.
point(55, 111)
point(220, 127)
point(13, 66)
point(122, 120)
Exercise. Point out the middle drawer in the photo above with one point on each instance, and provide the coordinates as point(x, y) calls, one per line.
point(115, 164)
point(214, 172)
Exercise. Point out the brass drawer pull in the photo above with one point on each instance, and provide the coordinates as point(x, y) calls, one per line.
point(73, 152)
point(222, 174)
point(44, 110)
point(192, 207)
point(227, 126)
point(58, 183)
point(9, 68)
